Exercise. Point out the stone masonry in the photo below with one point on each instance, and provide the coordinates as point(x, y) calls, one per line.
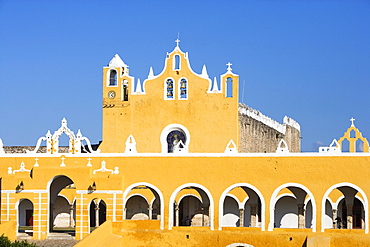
point(261, 134)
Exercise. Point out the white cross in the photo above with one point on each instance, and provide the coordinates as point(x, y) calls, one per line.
point(353, 122)
point(63, 165)
point(89, 163)
point(177, 42)
point(36, 163)
point(229, 66)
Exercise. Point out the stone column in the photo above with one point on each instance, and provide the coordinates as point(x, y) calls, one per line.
point(177, 214)
point(150, 212)
point(71, 222)
point(96, 215)
point(335, 219)
point(253, 215)
point(241, 217)
point(349, 216)
point(301, 217)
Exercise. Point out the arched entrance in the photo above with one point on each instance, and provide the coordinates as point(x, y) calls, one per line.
point(56, 185)
point(25, 216)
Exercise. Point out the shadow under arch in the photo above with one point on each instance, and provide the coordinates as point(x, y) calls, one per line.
point(250, 188)
point(203, 191)
point(55, 185)
point(350, 185)
point(157, 193)
point(290, 186)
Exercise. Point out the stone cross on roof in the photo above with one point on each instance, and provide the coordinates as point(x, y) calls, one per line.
point(177, 42)
point(353, 122)
point(229, 66)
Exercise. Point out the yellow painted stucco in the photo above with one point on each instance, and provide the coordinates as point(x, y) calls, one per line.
point(143, 167)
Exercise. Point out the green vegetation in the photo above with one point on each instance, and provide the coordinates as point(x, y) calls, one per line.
point(5, 242)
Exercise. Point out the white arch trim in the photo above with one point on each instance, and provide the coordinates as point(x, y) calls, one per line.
point(240, 204)
point(244, 202)
point(173, 197)
point(274, 200)
point(129, 188)
point(167, 130)
point(223, 195)
point(137, 194)
point(182, 197)
point(61, 195)
point(283, 195)
point(365, 203)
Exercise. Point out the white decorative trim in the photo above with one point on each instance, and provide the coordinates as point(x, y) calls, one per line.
point(22, 169)
point(204, 74)
point(89, 162)
point(213, 86)
point(231, 147)
point(167, 130)
point(104, 169)
point(185, 195)
point(334, 148)
point(151, 74)
point(130, 145)
point(282, 147)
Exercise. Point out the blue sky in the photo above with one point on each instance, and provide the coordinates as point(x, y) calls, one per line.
point(309, 60)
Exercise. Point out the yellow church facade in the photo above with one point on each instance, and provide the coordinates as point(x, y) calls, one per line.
point(170, 172)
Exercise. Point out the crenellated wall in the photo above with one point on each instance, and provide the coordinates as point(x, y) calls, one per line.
point(261, 134)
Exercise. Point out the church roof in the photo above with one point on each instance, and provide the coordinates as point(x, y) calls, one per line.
point(116, 62)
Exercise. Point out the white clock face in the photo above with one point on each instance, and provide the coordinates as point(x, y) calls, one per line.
point(111, 94)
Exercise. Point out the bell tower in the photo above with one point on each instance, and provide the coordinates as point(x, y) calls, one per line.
point(117, 89)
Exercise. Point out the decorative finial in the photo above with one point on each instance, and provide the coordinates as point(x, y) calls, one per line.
point(353, 122)
point(229, 66)
point(177, 42)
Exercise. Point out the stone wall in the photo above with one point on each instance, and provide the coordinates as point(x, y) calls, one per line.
point(23, 149)
point(261, 134)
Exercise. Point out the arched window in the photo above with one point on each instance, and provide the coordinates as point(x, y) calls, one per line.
point(113, 78)
point(183, 89)
point(125, 90)
point(169, 87)
point(176, 62)
point(229, 87)
point(173, 138)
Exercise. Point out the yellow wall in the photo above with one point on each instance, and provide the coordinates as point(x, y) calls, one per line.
point(211, 118)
